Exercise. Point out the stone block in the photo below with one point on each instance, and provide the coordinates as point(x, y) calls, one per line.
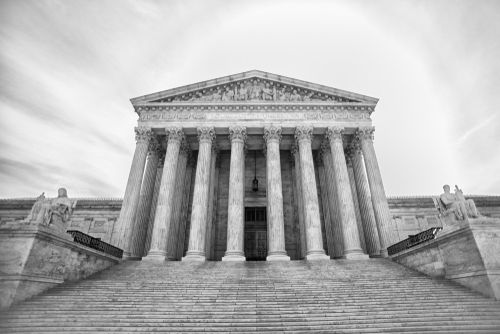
point(467, 252)
point(34, 258)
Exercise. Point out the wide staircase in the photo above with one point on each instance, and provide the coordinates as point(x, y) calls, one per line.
point(371, 296)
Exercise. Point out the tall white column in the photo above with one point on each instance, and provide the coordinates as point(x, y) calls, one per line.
point(188, 180)
point(154, 201)
point(177, 201)
point(211, 208)
point(355, 201)
point(314, 239)
point(352, 245)
point(164, 207)
point(141, 223)
point(236, 205)
point(338, 242)
point(128, 211)
point(379, 200)
point(365, 201)
point(275, 221)
point(300, 204)
point(325, 203)
point(197, 232)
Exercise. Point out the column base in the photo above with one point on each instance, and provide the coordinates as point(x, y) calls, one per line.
point(194, 256)
point(317, 255)
point(235, 257)
point(356, 256)
point(278, 257)
point(156, 256)
point(384, 253)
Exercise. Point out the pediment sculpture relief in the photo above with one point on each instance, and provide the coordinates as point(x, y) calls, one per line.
point(255, 90)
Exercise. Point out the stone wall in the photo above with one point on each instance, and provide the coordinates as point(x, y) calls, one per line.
point(97, 217)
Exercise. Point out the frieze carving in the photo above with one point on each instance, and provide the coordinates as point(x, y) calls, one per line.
point(143, 134)
point(313, 113)
point(255, 90)
point(206, 133)
point(365, 133)
point(303, 133)
point(175, 134)
point(272, 133)
point(237, 133)
point(334, 133)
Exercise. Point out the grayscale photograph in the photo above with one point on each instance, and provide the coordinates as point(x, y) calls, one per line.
point(235, 166)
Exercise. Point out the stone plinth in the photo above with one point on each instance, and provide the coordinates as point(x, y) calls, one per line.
point(34, 258)
point(469, 255)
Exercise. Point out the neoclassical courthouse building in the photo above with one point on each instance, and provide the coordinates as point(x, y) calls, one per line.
point(264, 166)
point(251, 167)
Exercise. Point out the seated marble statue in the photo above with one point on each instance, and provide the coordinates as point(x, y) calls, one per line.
point(461, 207)
point(54, 212)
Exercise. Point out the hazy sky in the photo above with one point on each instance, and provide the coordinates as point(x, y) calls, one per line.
point(68, 69)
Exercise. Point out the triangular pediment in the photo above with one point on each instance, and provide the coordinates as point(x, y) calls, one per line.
point(253, 86)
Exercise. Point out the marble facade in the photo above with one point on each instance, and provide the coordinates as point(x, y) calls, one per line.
point(211, 130)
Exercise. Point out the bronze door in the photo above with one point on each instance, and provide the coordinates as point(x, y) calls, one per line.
point(255, 234)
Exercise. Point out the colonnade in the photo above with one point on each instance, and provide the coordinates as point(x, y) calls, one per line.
point(353, 199)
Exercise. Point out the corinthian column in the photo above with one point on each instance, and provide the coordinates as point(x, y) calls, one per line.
point(338, 243)
point(379, 200)
point(128, 212)
point(300, 205)
point(141, 223)
point(275, 222)
point(196, 247)
point(236, 205)
point(177, 201)
point(163, 215)
point(365, 201)
point(352, 245)
point(154, 201)
point(314, 239)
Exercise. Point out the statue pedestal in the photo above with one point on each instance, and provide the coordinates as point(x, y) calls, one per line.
point(34, 258)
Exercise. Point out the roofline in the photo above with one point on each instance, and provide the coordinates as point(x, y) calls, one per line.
point(246, 75)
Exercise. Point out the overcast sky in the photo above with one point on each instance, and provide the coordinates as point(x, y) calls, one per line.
point(68, 69)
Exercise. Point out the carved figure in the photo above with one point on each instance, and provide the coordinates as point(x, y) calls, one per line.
point(54, 212)
point(228, 95)
point(255, 91)
point(457, 203)
point(267, 93)
point(242, 93)
point(294, 97)
point(217, 96)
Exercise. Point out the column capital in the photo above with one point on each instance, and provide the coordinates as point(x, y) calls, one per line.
point(334, 133)
point(272, 133)
point(237, 133)
point(174, 134)
point(206, 134)
point(365, 133)
point(143, 134)
point(304, 132)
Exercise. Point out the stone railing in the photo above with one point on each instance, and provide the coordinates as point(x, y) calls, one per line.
point(414, 240)
point(95, 243)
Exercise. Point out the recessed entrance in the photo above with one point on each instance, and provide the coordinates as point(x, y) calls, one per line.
point(255, 234)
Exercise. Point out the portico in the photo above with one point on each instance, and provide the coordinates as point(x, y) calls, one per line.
point(199, 148)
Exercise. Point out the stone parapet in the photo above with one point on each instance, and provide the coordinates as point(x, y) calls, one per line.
point(34, 258)
point(469, 255)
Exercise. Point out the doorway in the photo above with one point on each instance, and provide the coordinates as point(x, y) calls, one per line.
point(255, 234)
